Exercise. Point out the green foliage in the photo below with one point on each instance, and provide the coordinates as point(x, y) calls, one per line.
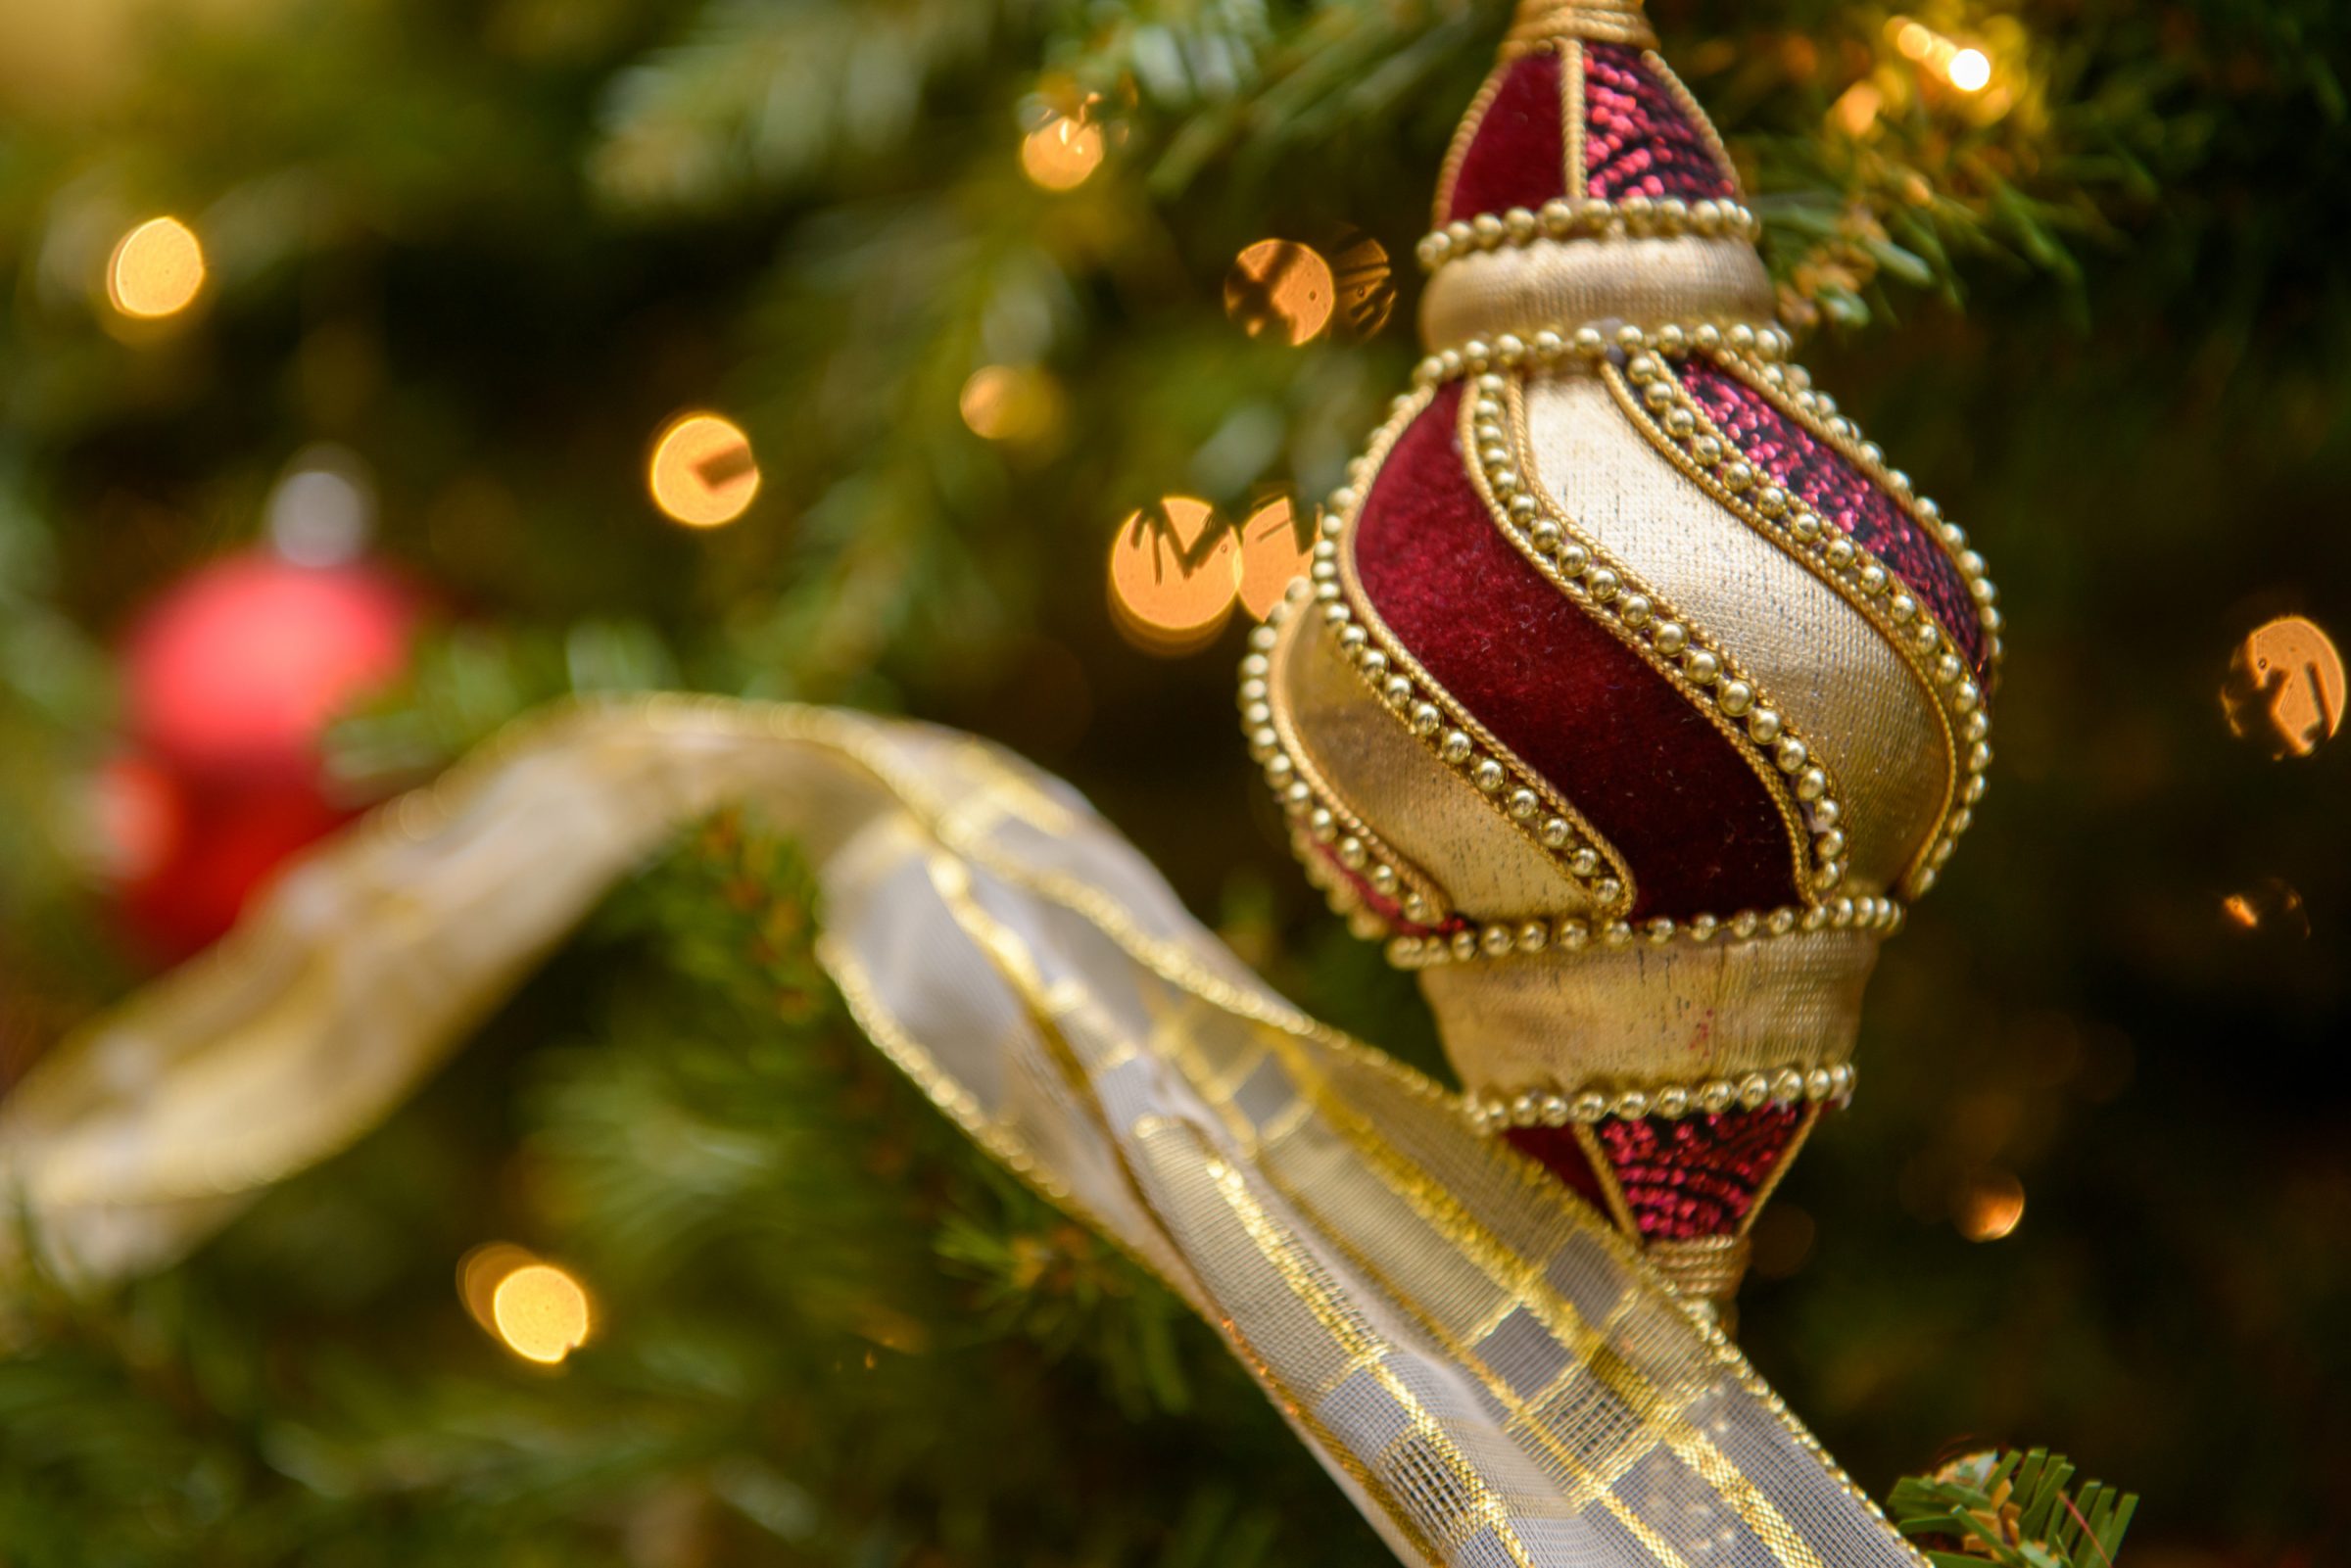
point(2014, 1510)
point(829, 1330)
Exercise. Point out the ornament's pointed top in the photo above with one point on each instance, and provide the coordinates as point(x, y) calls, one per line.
point(1542, 22)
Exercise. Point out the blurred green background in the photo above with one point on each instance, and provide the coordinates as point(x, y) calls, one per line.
point(465, 260)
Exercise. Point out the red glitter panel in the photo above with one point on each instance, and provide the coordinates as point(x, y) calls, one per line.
point(1669, 790)
point(1803, 464)
point(1517, 156)
point(1697, 1175)
point(1638, 138)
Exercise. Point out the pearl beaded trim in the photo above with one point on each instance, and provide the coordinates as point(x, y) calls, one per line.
point(1664, 410)
point(1314, 808)
point(1585, 1108)
point(1801, 786)
point(1530, 802)
point(1590, 342)
point(1591, 216)
point(1506, 938)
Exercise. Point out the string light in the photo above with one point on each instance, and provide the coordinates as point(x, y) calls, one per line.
point(1963, 65)
point(1282, 286)
point(157, 271)
point(535, 1308)
point(702, 472)
point(1991, 1205)
point(1011, 402)
point(1969, 70)
point(1273, 555)
point(1063, 153)
point(2285, 686)
point(1173, 575)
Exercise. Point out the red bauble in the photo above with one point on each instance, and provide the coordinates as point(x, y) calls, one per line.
point(241, 665)
point(230, 679)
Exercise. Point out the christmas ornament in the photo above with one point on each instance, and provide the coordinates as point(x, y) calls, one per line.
point(1632, 693)
point(230, 678)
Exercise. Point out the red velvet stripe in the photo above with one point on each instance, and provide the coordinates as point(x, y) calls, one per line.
point(1559, 1151)
point(1802, 464)
point(1518, 155)
point(1639, 137)
point(1651, 775)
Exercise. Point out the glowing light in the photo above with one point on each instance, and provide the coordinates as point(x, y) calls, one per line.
point(702, 472)
point(533, 1308)
point(1282, 286)
point(1063, 153)
point(1989, 1207)
point(1011, 402)
point(1274, 555)
point(1856, 110)
point(1915, 41)
point(157, 269)
point(2270, 905)
point(2285, 686)
point(1366, 285)
point(1969, 69)
point(324, 510)
point(1174, 573)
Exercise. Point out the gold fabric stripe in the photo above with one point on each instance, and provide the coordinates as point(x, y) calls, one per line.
point(1431, 815)
point(1561, 284)
point(1641, 1017)
point(1841, 685)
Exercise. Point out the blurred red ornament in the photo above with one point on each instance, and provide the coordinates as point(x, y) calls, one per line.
point(231, 678)
point(241, 665)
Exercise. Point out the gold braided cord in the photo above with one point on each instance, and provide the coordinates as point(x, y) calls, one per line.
point(1540, 22)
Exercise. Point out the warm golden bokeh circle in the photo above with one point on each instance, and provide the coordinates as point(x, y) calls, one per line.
point(540, 1313)
point(1063, 153)
point(2286, 687)
point(157, 269)
point(1174, 573)
point(1273, 555)
point(702, 472)
point(1282, 287)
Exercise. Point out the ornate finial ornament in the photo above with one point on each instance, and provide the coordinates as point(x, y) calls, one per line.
point(1632, 695)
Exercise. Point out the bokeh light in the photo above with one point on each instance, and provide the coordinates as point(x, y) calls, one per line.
point(1282, 287)
point(1274, 552)
point(157, 269)
point(702, 472)
point(1969, 69)
point(324, 510)
point(1011, 402)
point(1063, 153)
point(1174, 572)
point(1990, 1205)
point(1366, 285)
point(536, 1309)
point(2271, 907)
point(2284, 687)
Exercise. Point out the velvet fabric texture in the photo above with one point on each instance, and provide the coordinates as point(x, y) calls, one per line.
point(1693, 820)
point(1518, 155)
point(1804, 465)
point(1638, 138)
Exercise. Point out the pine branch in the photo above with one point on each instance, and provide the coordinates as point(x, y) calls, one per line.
point(2015, 1510)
